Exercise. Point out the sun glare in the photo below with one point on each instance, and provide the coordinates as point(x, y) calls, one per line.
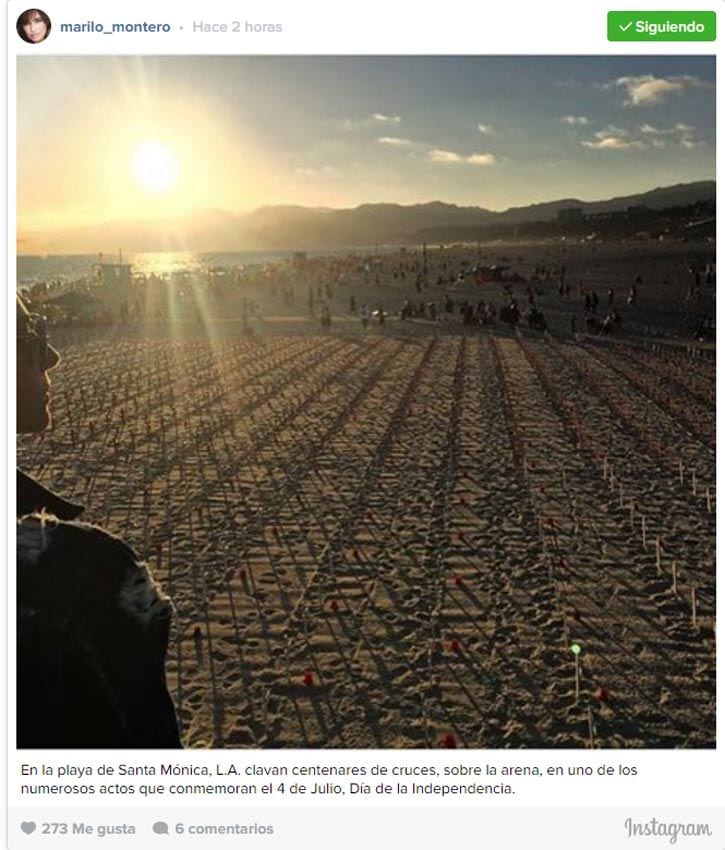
point(155, 167)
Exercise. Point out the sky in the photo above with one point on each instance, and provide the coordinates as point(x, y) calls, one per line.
point(104, 139)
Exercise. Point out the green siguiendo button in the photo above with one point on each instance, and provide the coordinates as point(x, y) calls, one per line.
point(661, 26)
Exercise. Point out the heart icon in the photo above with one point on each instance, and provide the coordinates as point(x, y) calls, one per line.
point(28, 826)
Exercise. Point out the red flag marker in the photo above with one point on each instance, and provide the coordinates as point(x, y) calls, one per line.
point(458, 581)
point(455, 645)
point(602, 694)
point(448, 742)
point(333, 605)
point(308, 678)
point(197, 632)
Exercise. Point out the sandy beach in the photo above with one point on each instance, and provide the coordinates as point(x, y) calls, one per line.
point(395, 538)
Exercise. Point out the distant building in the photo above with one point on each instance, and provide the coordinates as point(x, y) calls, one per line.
point(570, 215)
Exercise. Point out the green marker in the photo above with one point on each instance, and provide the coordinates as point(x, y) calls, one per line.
point(575, 648)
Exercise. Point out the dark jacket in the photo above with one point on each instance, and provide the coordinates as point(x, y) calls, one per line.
point(93, 632)
point(33, 497)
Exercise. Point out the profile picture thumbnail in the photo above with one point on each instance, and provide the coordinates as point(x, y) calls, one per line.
point(33, 26)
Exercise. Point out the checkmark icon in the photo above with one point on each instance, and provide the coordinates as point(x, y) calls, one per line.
point(626, 27)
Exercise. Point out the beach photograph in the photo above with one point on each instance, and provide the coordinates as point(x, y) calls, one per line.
point(366, 402)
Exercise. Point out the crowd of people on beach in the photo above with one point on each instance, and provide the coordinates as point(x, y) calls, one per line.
point(433, 285)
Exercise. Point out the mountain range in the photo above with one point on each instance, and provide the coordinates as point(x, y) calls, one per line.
point(307, 228)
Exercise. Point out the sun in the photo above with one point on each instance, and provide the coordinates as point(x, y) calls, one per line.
point(155, 167)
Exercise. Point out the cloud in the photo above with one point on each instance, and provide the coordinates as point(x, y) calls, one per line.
point(437, 155)
point(575, 120)
point(677, 130)
point(644, 136)
point(379, 118)
point(682, 135)
point(613, 138)
point(486, 129)
point(395, 141)
point(614, 143)
point(375, 119)
point(452, 158)
point(648, 90)
point(481, 159)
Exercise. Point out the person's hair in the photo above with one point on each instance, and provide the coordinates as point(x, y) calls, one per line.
point(25, 19)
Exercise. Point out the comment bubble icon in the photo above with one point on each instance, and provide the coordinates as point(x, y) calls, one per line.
point(161, 827)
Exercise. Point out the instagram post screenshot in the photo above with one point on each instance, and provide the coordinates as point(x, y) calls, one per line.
point(361, 394)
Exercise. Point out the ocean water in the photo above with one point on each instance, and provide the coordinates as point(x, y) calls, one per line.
point(67, 268)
